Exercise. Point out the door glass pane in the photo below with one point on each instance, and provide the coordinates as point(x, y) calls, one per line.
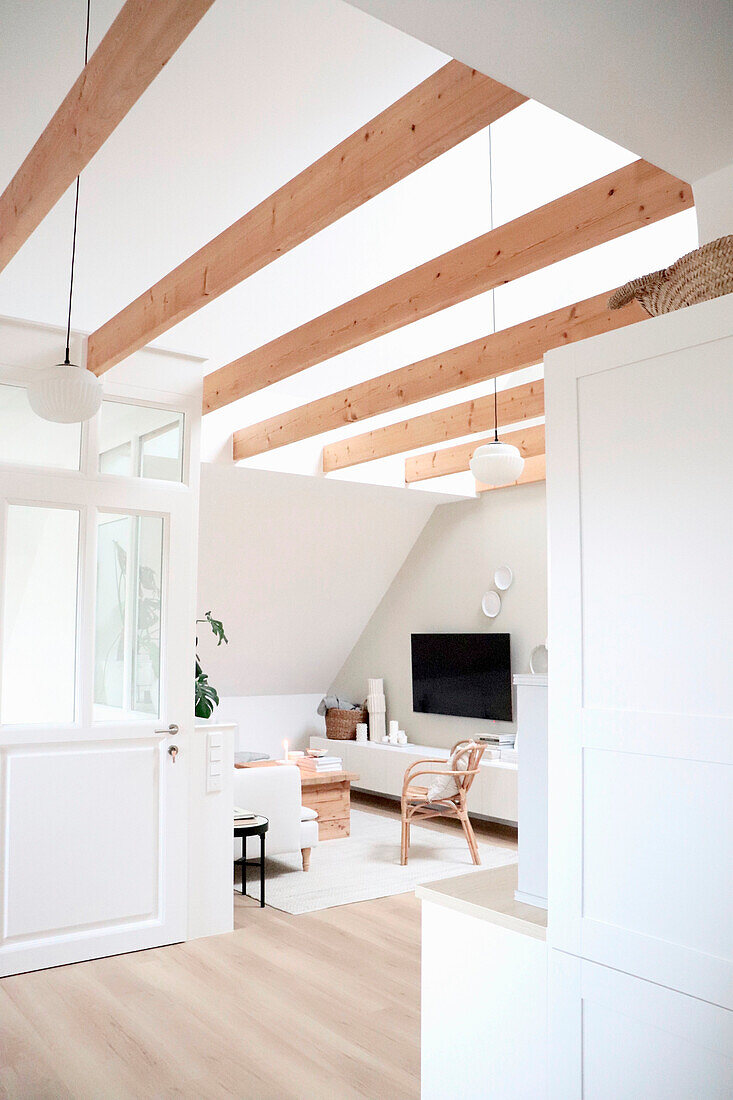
point(137, 441)
point(27, 440)
point(127, 621)
point(39, 614)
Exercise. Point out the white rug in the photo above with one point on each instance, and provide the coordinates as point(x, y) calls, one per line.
point(367, 865)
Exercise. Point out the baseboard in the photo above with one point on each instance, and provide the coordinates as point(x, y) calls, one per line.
point(530, 899)
point(474, 816)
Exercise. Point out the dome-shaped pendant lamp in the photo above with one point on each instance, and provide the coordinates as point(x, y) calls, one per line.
point(496, 463)
point(67, 393)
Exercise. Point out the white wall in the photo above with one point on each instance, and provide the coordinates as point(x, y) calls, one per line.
point(714, 204)
point(659, 81)
point(439, 589)
point(265, 721)
point(294, 567)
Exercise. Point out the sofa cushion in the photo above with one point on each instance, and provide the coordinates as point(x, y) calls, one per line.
point(307, 814)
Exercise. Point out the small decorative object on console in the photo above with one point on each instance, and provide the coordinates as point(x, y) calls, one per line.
point(376, 704)
point(538, 660)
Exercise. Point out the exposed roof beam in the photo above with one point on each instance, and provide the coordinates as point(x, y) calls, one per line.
point(508, 350)
point(534, 470)
point(634, 196)
point(448, 107)
point(454, 460)
point(513, 405)
point(143, 37)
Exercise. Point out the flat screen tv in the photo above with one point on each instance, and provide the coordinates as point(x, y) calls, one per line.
point(467, 675)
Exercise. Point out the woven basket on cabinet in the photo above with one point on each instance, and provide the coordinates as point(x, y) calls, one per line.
point(341, 724)
point(700, 275)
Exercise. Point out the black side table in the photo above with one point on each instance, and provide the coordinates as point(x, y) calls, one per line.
point(257, 827)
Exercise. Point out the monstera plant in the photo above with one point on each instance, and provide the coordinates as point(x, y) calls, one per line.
point(207, 697)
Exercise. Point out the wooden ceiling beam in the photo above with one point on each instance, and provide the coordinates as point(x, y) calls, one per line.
point(534, 470)
point(513, 405)
point(438, 114)
point(508, 350)
point(143, 37)
point(625, 200)
point(455, 460)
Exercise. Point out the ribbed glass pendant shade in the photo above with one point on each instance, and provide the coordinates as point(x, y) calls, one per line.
point(65, 394)
point(496, 464)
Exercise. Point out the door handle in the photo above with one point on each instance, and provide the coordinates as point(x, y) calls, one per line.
point(171, 730)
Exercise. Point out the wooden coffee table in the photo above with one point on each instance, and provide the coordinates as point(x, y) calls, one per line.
point(328, 793)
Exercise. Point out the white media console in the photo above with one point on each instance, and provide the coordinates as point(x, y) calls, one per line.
point(381, 769)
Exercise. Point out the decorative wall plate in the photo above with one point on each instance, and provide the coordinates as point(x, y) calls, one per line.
point(491, 604)
point(503, 577)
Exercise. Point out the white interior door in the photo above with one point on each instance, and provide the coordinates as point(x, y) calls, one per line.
point(640, 472)
point(98, 531)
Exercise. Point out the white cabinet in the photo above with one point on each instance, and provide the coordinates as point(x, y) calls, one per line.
point(381, 769)
point(617, 1037)
point(532, 744)
point(484, 986)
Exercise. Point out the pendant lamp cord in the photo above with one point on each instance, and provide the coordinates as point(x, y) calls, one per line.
point(67, 361)
point(493, 290)
point(496, 416)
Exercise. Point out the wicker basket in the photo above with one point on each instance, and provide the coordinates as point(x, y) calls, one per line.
point(341, 724)
point(705, 273)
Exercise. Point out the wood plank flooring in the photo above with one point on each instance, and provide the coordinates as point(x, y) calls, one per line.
point(322, 1005)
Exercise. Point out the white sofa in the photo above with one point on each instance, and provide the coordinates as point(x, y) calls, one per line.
point(274, 792)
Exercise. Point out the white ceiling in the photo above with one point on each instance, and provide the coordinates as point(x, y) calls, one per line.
point(655, 75)
point(256, 93)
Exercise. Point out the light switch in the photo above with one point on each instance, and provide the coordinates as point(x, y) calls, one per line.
point(214, 762)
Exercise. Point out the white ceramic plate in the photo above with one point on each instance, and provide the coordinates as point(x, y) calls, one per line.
point(491, 604)
point(503, 577)
point(538, 660)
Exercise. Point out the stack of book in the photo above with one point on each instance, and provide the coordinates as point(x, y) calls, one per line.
point(317, 765)
point(243, 817)
point(499, 740)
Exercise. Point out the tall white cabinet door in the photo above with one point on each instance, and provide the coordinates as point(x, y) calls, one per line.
point(616, 1037)
point(640, 517)
point(98, 539)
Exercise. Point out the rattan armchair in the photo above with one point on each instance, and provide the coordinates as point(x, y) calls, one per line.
point(416, 802)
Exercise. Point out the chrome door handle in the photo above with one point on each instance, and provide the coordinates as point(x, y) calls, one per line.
point(171, 730)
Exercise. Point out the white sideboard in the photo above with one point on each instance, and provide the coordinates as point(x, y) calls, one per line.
point(381, 769)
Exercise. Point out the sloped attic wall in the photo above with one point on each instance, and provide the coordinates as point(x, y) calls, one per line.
point(295, 566)
point(439, 590)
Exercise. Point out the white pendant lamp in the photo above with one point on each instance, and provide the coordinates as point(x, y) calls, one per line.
point(67, 393)
point(496, 463)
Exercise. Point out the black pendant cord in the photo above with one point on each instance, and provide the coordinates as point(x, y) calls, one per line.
point(493, 290)
point(67, 361)
point(496, 416)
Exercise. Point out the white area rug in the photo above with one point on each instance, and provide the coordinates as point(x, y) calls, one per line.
point(367, 865)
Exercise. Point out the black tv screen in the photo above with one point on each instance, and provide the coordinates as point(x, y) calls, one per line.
point(467, 675)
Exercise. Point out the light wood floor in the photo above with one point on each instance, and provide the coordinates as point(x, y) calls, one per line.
point(322, 1005)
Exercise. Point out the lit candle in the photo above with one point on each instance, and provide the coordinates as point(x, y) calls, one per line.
point(285, 751)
